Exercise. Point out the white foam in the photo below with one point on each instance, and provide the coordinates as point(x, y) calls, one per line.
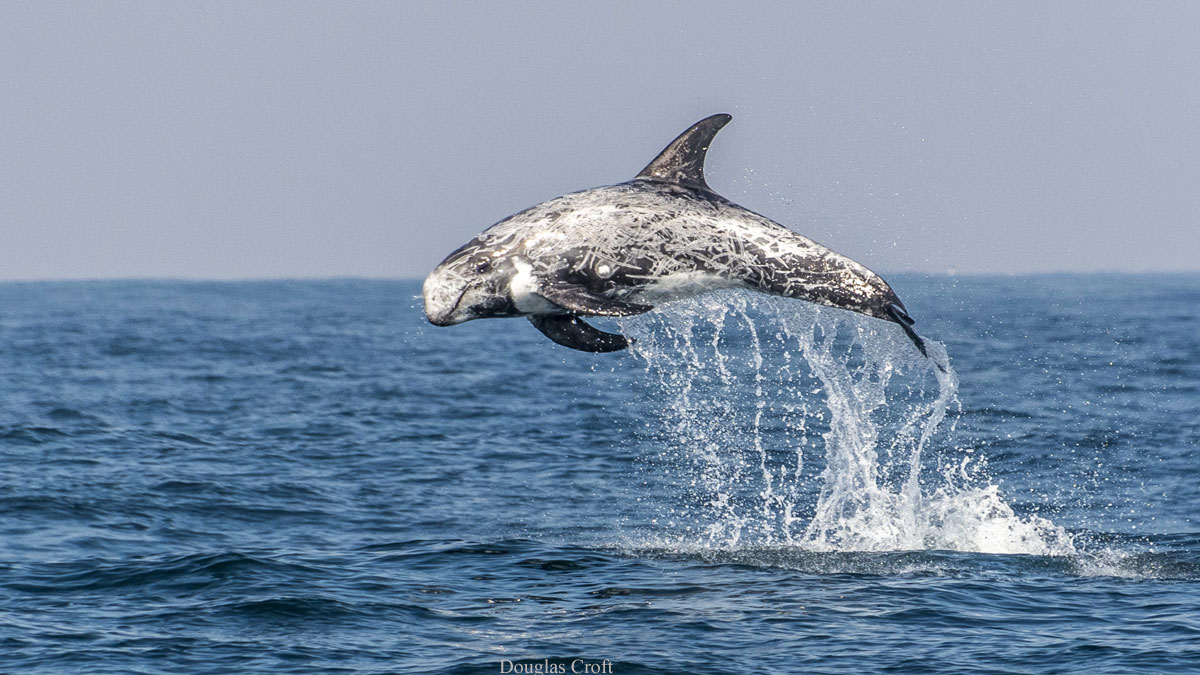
point(749, 384)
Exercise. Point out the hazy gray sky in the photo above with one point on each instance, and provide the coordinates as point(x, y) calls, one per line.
point(236, 139)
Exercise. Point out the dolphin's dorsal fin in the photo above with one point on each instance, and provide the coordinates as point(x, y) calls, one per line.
point(682, 161)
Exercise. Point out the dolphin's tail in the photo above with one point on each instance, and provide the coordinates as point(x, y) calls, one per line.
point(827, 278)
point(901, 317)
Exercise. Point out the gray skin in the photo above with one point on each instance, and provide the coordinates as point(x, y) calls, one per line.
point(619, 250)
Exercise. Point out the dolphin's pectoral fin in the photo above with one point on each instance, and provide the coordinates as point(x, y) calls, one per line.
point(581, 300)
point(901, 317)
point(569, 330)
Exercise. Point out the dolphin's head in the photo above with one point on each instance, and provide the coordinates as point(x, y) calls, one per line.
point(471, 283)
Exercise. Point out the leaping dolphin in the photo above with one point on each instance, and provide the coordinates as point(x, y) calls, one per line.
point(621, 249)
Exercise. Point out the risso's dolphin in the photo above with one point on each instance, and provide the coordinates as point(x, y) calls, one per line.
point(621, 249)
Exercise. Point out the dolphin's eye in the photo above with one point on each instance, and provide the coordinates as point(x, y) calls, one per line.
point(483, 266)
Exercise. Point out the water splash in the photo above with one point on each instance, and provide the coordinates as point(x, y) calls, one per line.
point(788, 424)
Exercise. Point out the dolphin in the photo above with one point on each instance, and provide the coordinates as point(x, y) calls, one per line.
point(621, 249)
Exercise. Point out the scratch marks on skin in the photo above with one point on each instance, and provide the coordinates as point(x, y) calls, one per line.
point(649, 242)
point(647, 233)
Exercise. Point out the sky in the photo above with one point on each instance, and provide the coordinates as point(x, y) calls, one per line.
point(232, 140)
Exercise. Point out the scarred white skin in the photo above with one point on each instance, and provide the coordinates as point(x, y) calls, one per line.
point(645, 242)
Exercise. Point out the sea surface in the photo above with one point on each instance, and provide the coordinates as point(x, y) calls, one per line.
point(305, 476)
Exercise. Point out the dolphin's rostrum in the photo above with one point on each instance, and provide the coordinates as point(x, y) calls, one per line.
point(619, 250)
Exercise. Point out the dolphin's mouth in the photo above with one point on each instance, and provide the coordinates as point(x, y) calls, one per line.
point(445, 318)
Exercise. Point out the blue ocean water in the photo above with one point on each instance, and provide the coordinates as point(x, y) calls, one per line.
point(306, 477)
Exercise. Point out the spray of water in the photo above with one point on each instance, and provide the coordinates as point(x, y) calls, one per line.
point(786, 424)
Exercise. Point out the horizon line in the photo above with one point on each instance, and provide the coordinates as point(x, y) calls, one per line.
point(363, 277)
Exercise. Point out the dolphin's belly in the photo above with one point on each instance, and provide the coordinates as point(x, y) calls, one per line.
point(681, 285)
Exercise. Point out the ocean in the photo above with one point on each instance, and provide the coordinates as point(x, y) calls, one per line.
point(306, 476)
